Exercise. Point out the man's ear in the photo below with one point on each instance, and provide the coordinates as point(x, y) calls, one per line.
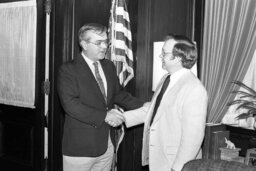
point(177, 58)
point(83, 44)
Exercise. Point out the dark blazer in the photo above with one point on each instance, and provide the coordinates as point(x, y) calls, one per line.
point(85, 132)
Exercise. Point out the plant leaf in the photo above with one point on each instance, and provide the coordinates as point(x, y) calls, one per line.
point(246, 115)
point(253, 92)
point(252, 112)
point(246, 106)
point(244, 94)
point(242, 116)
point(246, 100)
point(238, 101)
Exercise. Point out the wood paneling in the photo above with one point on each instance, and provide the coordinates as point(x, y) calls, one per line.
point(21, 139)
point(171, 16)
point(17, 142)
point(61, 50)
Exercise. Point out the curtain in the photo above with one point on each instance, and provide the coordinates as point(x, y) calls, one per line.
point(228, 46)
point(232, 113)
point(17, 53)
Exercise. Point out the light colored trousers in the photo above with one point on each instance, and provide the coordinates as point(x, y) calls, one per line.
point(100, 163)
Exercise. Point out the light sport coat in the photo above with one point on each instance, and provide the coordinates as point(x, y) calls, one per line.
point(177, 131)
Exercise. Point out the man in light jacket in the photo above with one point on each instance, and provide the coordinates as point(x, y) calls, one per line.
point(174, 123)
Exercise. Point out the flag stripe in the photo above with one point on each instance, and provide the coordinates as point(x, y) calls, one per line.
point(122, 36)
point(122, 46)
point(122, 19)
point(121, 41)
point(122, 11)
point(119, 27)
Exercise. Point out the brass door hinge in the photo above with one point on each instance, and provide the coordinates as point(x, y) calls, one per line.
point(46, 87)
point(47, 6)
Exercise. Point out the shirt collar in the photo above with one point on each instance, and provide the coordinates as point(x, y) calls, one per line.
point(87, 60)
point(178, 74)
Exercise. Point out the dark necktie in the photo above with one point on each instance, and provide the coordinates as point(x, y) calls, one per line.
point(99, 80)
point(159, 97)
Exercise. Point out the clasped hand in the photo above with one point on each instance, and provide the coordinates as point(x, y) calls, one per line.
point(114, 118)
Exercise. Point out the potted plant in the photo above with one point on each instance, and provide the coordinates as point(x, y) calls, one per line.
point(246, 100)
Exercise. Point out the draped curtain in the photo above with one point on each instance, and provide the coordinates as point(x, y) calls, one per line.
point(232, 113)
point(17, 53)
point(229, 42)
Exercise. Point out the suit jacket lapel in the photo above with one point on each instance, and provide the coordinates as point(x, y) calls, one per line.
point(109, 81)
point(170, 94)
point(89, 77)
point(158, 89)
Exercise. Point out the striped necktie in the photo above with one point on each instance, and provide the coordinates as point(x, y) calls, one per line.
point(99, 80)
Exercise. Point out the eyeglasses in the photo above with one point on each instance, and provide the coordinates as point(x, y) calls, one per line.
point(100, 43)
point(163, 54)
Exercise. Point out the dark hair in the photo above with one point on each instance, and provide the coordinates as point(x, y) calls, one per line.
point(185, 49)
point(94, 27)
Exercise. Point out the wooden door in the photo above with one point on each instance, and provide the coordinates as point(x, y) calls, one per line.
point(21, 128)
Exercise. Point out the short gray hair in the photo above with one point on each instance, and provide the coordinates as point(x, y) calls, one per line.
point(94, 27)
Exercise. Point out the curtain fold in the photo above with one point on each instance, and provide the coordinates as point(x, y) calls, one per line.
point(18, 53)
point(228, 46)
point(232, 113)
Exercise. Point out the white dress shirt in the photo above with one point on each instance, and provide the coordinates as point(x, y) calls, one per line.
point(175, 77)
point(91, 66)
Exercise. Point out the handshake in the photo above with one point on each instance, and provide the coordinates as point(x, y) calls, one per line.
point(114, 117)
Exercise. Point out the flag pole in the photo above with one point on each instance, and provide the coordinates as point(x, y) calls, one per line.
point(121, 55)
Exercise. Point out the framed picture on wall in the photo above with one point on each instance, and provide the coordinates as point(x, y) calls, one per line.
point(250, 158)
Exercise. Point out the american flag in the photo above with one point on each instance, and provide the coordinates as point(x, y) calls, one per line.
point(121, 54)
point(121, 41)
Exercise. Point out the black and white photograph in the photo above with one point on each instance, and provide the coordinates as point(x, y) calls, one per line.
point(127, 85)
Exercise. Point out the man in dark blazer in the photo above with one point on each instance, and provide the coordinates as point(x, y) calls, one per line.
point(88, 89)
